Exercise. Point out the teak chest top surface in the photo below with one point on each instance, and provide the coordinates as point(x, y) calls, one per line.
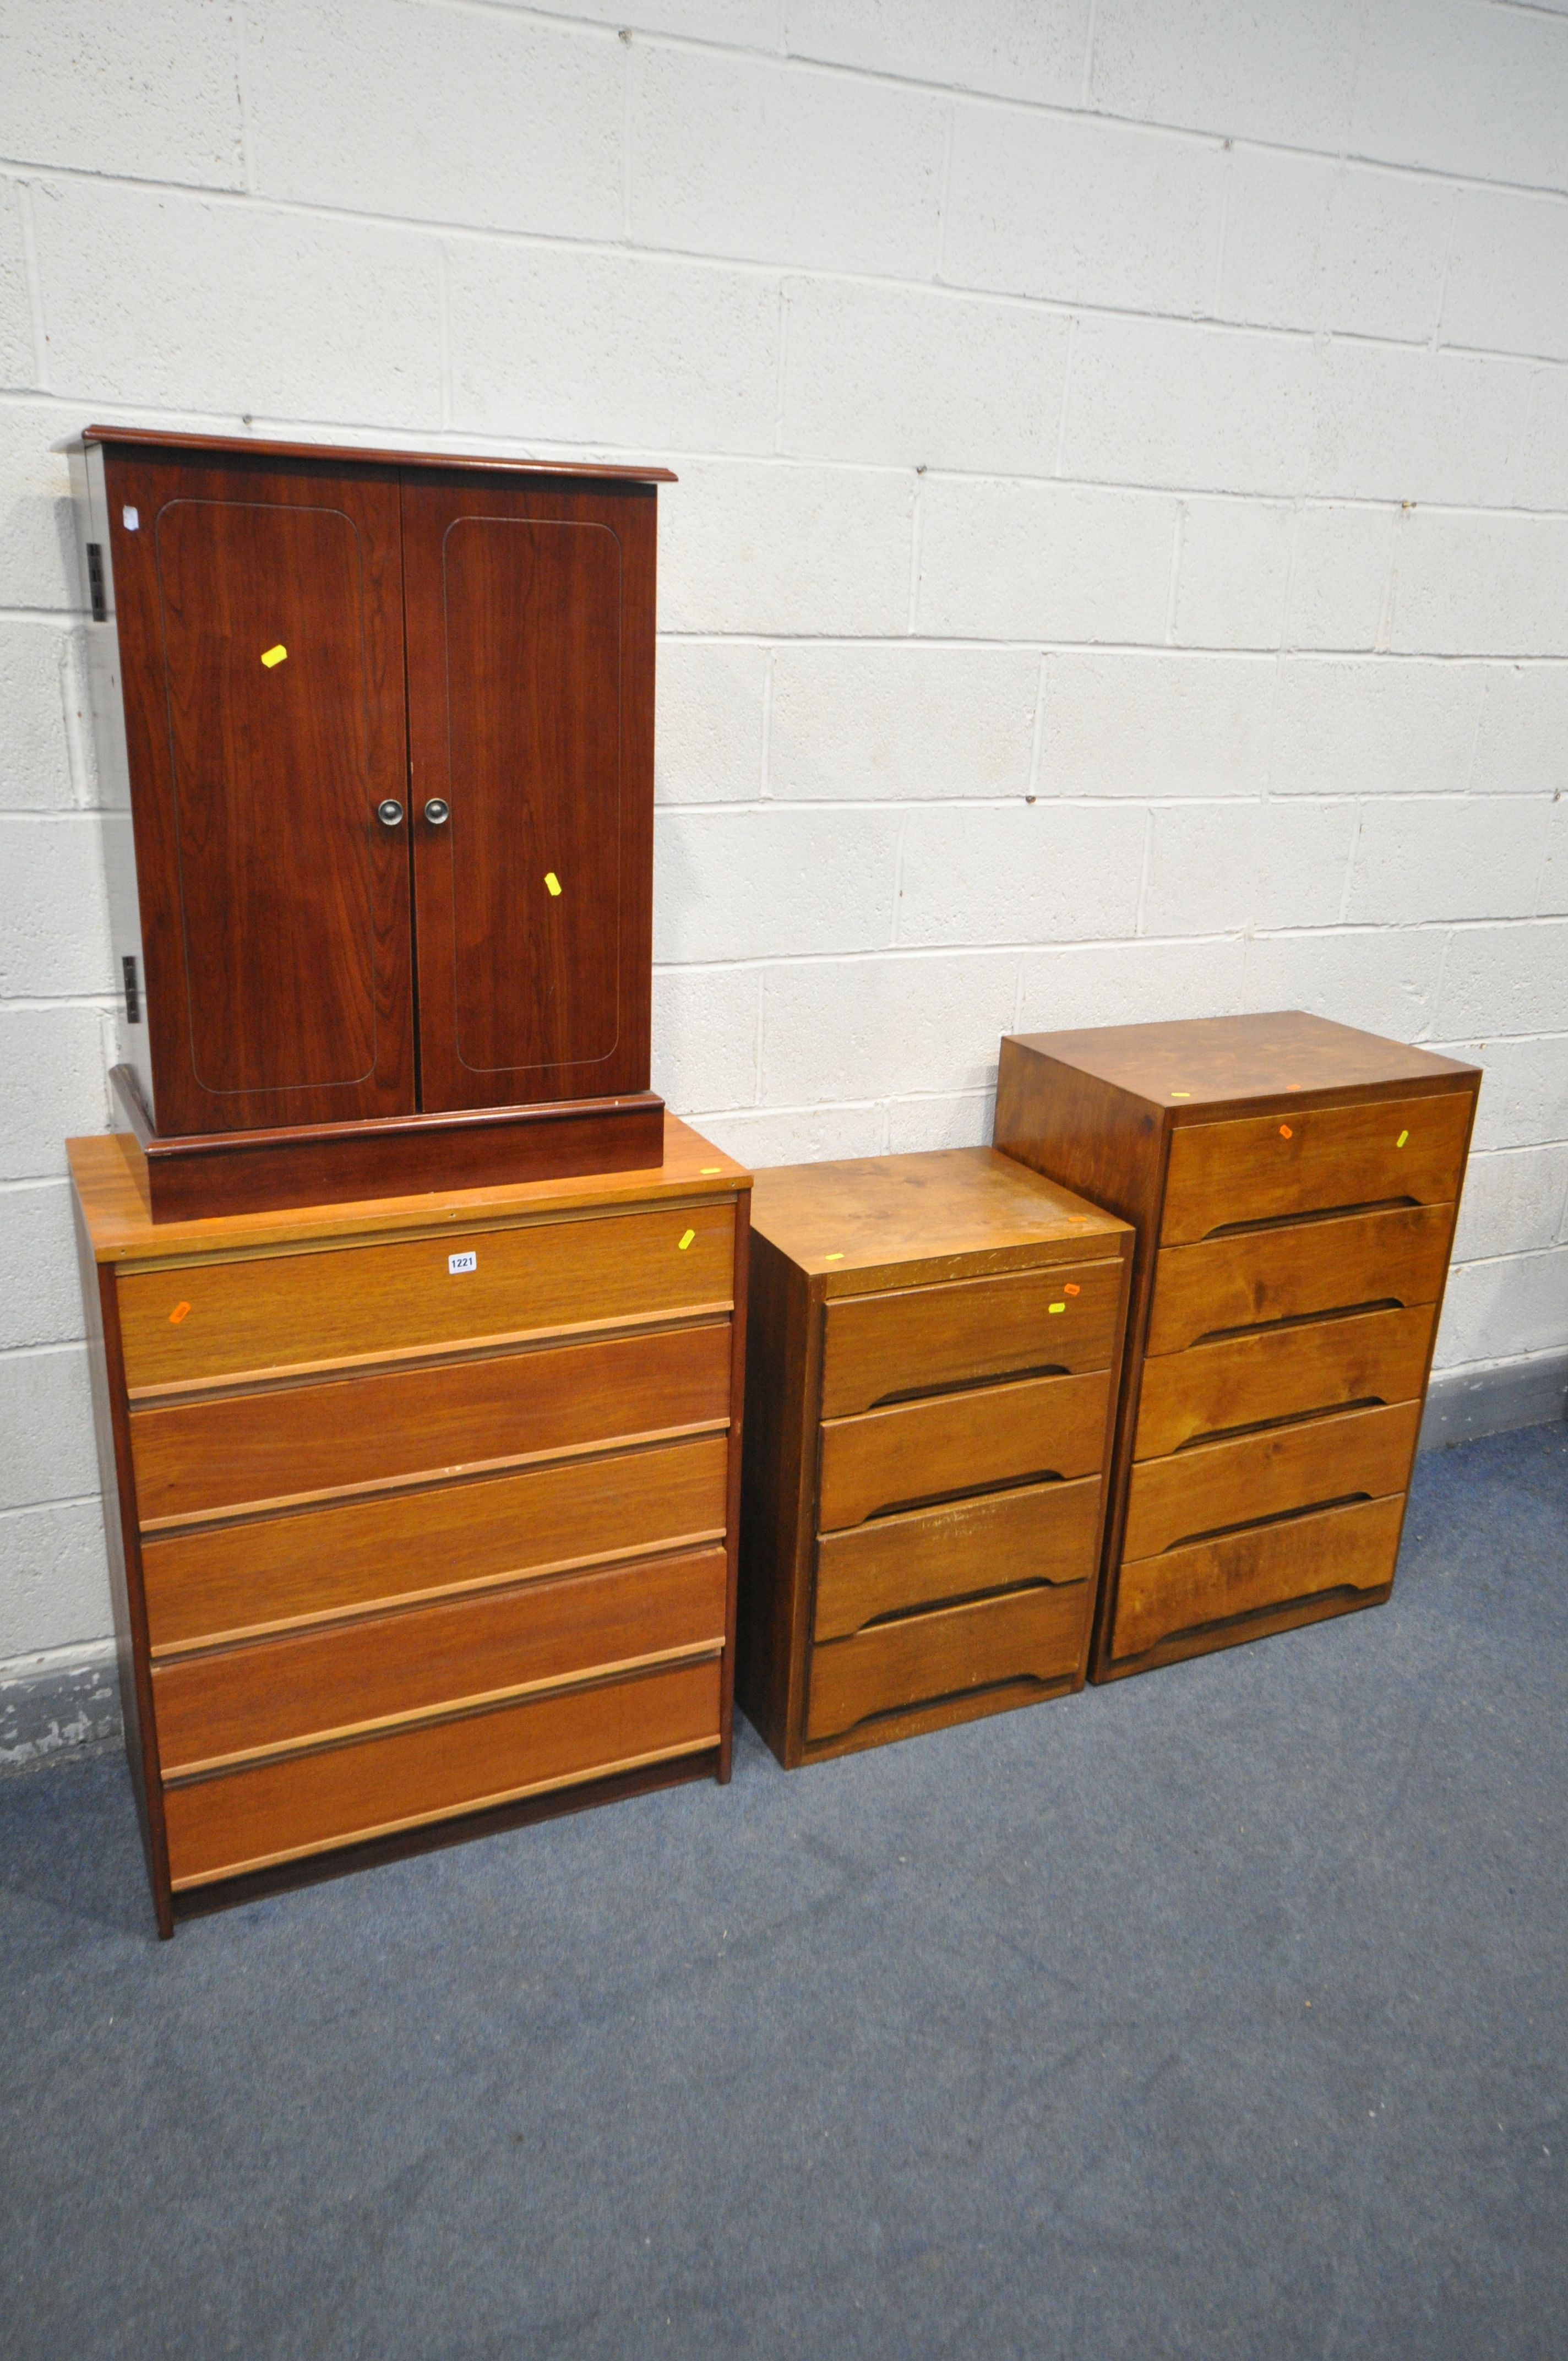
point(1200, 1068)
point(122, 1230)
point(874, 1218)
point(148, 438)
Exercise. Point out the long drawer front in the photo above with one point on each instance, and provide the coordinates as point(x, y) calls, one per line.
point(224, 1581)
point(1186, 1590)
point(1275, 1373)
point(1198, 1494)
point(880, 1346)
point(1309, 1267)
point(226, 1823)
point(207, 1320)
point(1029, 1636)
point(227, 1452)
point(1288, 1162)
point(1042, 1532)
point(918, 1452)
point(271, 1694)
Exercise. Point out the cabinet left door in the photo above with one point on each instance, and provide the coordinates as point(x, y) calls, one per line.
point(259, 613)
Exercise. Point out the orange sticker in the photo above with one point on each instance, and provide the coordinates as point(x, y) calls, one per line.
point(1071, 1287)
point(178, 1315)
point(686, 1240)
point(1292, 1087)
point(1285, 1131)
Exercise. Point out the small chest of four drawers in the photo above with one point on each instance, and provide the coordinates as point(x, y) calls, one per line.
point(935, 1342)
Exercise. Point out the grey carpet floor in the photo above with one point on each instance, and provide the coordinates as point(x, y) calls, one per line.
point(1222, 2012)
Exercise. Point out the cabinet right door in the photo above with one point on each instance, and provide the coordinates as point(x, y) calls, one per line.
point(530, 636)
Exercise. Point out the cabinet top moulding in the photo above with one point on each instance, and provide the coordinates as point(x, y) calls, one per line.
point(341, 454)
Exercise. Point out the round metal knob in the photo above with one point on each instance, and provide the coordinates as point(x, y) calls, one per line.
point(389, 813)
point(436, 812)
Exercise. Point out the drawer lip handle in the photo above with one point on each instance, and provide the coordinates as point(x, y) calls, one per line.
point(975, 1384)
point(1296, 1320)
point(1311, 1417)
point(1040, 1584)
point(947, 1499)
point(1306, 1218)
point(1260, 1524)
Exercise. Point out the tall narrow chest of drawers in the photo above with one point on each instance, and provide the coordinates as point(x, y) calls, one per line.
point(1293, 1184)
point(419, 1509)
point(933, 1358)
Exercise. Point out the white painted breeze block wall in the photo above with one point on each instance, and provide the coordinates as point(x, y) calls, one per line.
point(1119, 568)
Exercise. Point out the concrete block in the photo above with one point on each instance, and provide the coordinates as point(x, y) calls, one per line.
point(1524, 1096)
point(1393, 422)
point(1202, 409)
point(36, 673)
point(148, 92)
point(1508, 276)
point(165, 300)
point(1016, 49)
point(899, 377)
point(54, 1578)
point(1213, 868)
point(1278, 215)
point(1338, 576)
point(1013, 561)
point(1367, 726)
point(1128, 983)
point(19, 360)
point(40, 1294)
point(1023, 874)
point(491, 118)
point(1280, 74)
point(1136, 722)
point(707, 743)
point(738, 24)
point(783, 163)
point(798, 1135)
point(1515, 1201)
point(1461, 89)
point(1419, 857)
point(904, 1024)
point(1082, 212)
point(784, 547)
point(52, 1086)
point(621, 349)
point(46, 1416)
point(37, 534)
point(775, 884)
point(1541, 474)
point(902, 721)
point(1551, 894)
point(1312, 244)
point(1521, 748)
point(705, 1023)
point(1492, 1311)
point(1511, 979)
point(1481, 584)
point(957, 1119)
point(54, 913)
point(1383, 980)
point(1231, 572)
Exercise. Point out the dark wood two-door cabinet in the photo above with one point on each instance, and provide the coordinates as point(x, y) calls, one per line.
point(934, 1343)
point(1294, 1185)
point(376, 731)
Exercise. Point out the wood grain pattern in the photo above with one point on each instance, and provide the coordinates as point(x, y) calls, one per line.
point(1276, 1373)
point(531, 684)
point(222, 1581)
point(1037, 1633)
point(918, 1340)
point(122, 1230)
point(1202, 1492)
point(1044, 1532)
point(307, 1311)
point(228, 1451)
point(244, 1819)
point(275, 905)
point(1202, 1066)
point(278, 1693)
point(1177, 1594)
point(898, 1458)
point(1300, 1162)
point(1315, 1266)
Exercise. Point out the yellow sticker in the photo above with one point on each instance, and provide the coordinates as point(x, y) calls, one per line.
point(1056, 1307)
point(275, 655)
point(687, 1239)
point(834, 1257)
point(178, 1315)
point(1400, 1141)
point(552, 880)
point(705, 1169)
point(1182, 1095)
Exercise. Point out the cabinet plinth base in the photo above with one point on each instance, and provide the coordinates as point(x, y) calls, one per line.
point(222, 1172)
